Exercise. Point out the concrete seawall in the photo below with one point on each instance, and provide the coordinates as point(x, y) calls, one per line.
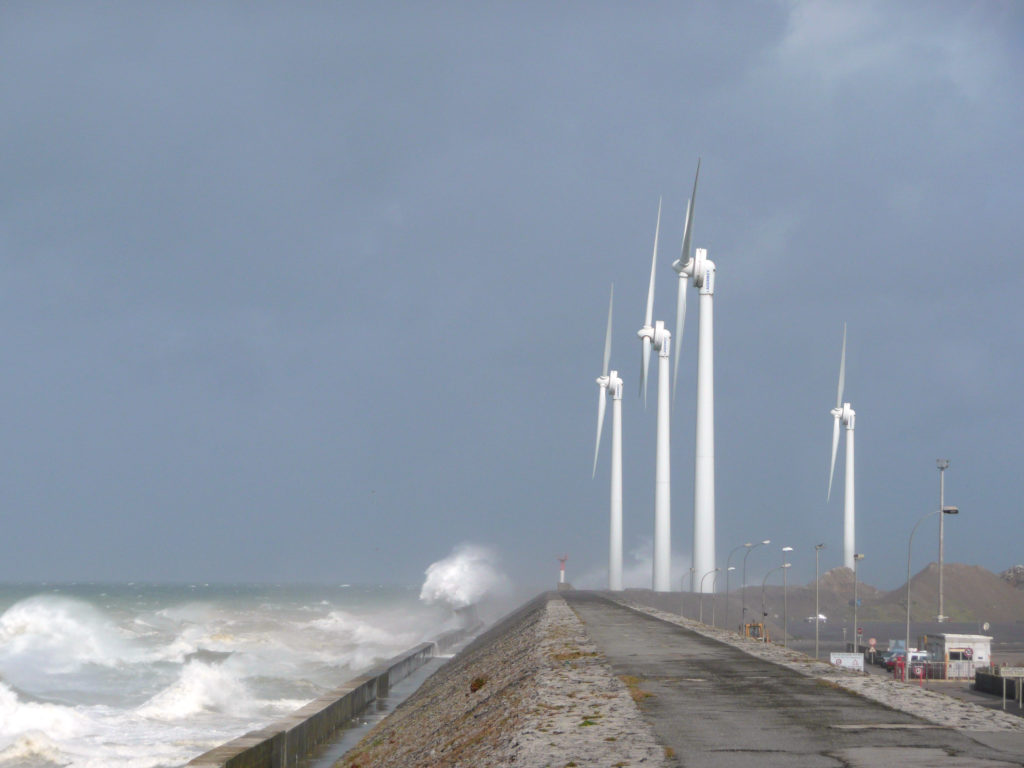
point(283, 743)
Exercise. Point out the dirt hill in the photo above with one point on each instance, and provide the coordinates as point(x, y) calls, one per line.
point(970, 593)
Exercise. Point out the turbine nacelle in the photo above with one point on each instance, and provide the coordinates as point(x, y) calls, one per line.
point(610, 384)
point(845, 414)
point(656, 335)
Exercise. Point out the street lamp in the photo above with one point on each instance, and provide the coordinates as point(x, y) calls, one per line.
point(764, 613)
point(701, 612)
point(856, 629)
point(728, 568)
point(910, 543)
point(785, 600)
point(943, 465)
point(749, 546)
point(817, 610)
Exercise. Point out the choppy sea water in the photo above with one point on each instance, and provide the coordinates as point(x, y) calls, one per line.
point(148, 676)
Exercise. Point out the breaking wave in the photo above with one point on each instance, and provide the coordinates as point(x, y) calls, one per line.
point(464, 578)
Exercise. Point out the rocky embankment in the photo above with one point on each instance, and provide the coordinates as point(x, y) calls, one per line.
point(532, 691)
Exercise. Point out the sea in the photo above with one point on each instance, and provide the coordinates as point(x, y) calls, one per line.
point(151, 675)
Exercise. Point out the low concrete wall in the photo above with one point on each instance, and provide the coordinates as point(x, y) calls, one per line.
point(989, 683)
point(284, 743)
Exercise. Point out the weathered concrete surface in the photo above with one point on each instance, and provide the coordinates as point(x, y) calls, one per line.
point(714, 705)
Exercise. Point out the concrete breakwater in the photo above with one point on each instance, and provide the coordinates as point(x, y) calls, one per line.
point(531, 691)
point(284, 742)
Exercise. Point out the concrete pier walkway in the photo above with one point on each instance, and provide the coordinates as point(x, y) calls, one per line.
point(715, 706)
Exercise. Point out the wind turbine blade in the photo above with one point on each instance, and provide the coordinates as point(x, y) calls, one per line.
point(608, 335)
point(688, 227)
point(842, 373)
point(654, 260)
point(835, 447)
point(600, 423)
point(680, 324)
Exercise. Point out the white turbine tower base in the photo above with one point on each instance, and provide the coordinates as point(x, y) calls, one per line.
point(662, 470)
point(704, 469)
point(655, 336)
point(615, 534)
point(844, 415)
point(701, 270)
point(609, 382)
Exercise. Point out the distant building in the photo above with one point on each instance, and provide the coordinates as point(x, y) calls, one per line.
point(961, 654)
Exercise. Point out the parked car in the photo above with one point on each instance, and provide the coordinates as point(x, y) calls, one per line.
point(822, 619)
point(915, 657)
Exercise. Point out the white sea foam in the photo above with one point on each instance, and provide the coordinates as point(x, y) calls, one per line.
point(201, 688)
point(57, 721)
point(140, 679)
point(59, 635)
point(32, 748)
point(463, 578)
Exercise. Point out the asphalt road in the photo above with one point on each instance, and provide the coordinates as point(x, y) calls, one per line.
point(714, 706)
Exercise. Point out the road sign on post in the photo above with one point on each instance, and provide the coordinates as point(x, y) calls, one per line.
point(852, 661)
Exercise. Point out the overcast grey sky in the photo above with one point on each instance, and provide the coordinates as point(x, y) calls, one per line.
point(318, 291)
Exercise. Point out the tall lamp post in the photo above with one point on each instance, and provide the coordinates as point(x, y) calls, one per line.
point(728, 568)
point(764, 612)
point(910, 543)
point(701, 611)
point(817, 610)
point(943, 465)
point(785, 600)
point(743, 615)
point(714, 595)
point(856, 630)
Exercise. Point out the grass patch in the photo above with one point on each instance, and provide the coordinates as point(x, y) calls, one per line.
point(633, 685)
point(477, 683)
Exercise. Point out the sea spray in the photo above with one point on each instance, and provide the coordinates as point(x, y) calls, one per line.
point(464, 578)
point(637, 569)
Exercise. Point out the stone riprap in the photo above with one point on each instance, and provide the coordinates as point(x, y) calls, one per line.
point(533, 691)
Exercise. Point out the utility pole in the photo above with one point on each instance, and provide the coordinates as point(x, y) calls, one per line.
point(817, 608)
point(943, 465)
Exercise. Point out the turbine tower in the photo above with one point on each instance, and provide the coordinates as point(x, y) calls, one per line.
point(701, 270)
point(845, 414)
point(660, 340)
point(609, 382)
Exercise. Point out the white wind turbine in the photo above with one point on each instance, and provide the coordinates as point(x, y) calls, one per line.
point(661, 340)
point(609, 382)
point(845, 414)
point(701, 270)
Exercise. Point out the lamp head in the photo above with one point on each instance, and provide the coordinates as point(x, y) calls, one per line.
point(787, 549)
point(767, 541)
point(942, 463)
point(951, 510)
point(858, 557)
